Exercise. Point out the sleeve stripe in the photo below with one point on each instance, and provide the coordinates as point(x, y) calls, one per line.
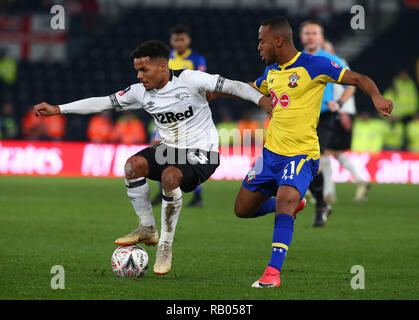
point(115, 103)
point(220, 84)
point(262, 88)
point(341, 75)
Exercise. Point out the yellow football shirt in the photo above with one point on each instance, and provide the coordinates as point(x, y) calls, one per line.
point(297, 89)
point(187, 60)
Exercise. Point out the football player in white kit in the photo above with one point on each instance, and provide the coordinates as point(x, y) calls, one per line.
point(341, 141)
point(188, 154)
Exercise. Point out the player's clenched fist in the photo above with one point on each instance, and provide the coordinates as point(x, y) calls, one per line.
point(384, 106)
point(45, 109)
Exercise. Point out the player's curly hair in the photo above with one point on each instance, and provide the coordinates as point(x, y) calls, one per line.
point(152, 49)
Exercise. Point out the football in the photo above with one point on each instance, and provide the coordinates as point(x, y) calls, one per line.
point(129, 261)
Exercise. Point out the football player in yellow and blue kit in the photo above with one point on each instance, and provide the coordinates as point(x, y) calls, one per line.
point(182, 57)
point(291, 153)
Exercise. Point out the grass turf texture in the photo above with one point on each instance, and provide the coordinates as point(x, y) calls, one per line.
point(73, 222)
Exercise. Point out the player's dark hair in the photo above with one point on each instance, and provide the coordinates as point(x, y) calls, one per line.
point(152, 49)
point(179, 29)
point(312, 21)
point(279, 23)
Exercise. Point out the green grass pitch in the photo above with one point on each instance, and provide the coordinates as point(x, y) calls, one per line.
point(73, 222)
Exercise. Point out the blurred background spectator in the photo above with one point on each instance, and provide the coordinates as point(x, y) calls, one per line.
point(129, 130)
point(9, 129)
point(54, 127)
point(43, 128)
point(404, 94)
point(99, 129)
point(413, 134)
point(394, 135)
point(33, 128)
point(91, 57)
point(8, 71)
point(368, 133)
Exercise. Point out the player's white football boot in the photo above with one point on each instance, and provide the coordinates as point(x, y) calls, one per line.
point(145, 234)
point(361, 194)
point(163, 262)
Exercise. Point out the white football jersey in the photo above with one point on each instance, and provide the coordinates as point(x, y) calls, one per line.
point(180, 109)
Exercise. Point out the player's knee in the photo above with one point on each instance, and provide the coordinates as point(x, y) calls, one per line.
point(287, 203)
point(243, 206)
point(240, 210)
point(171, 178)
point(136, 167)
point(241, 213)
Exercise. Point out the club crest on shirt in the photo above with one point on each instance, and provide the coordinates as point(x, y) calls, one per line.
point(182, 95)
point(293, 80)
point(121, 93)
point(250, 176)
point(335, 64)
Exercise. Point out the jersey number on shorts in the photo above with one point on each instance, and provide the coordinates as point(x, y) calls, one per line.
point(194, 159)
point(290, 166)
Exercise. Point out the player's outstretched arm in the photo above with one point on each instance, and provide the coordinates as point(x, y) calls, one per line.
point(84, 106)
point(365, 83)
point(246, 91)
point(237, 87)
point(211, 95)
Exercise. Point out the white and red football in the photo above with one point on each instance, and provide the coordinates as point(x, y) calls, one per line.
point(129, 261)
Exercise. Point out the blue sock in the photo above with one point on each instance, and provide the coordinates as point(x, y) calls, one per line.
point(267, 207)
point(198, 190)
point(284, 227)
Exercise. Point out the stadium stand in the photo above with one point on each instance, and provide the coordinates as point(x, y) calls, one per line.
point(99, 62)
point(389, 53)
point(106, 58)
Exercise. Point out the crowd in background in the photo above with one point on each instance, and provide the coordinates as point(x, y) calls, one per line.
point(127, 129)
point(370, 132)
point(398, 132)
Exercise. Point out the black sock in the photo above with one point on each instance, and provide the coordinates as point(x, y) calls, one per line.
point(197, 197)
point(316, 188)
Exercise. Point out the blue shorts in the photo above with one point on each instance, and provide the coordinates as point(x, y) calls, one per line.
point(273, 170)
